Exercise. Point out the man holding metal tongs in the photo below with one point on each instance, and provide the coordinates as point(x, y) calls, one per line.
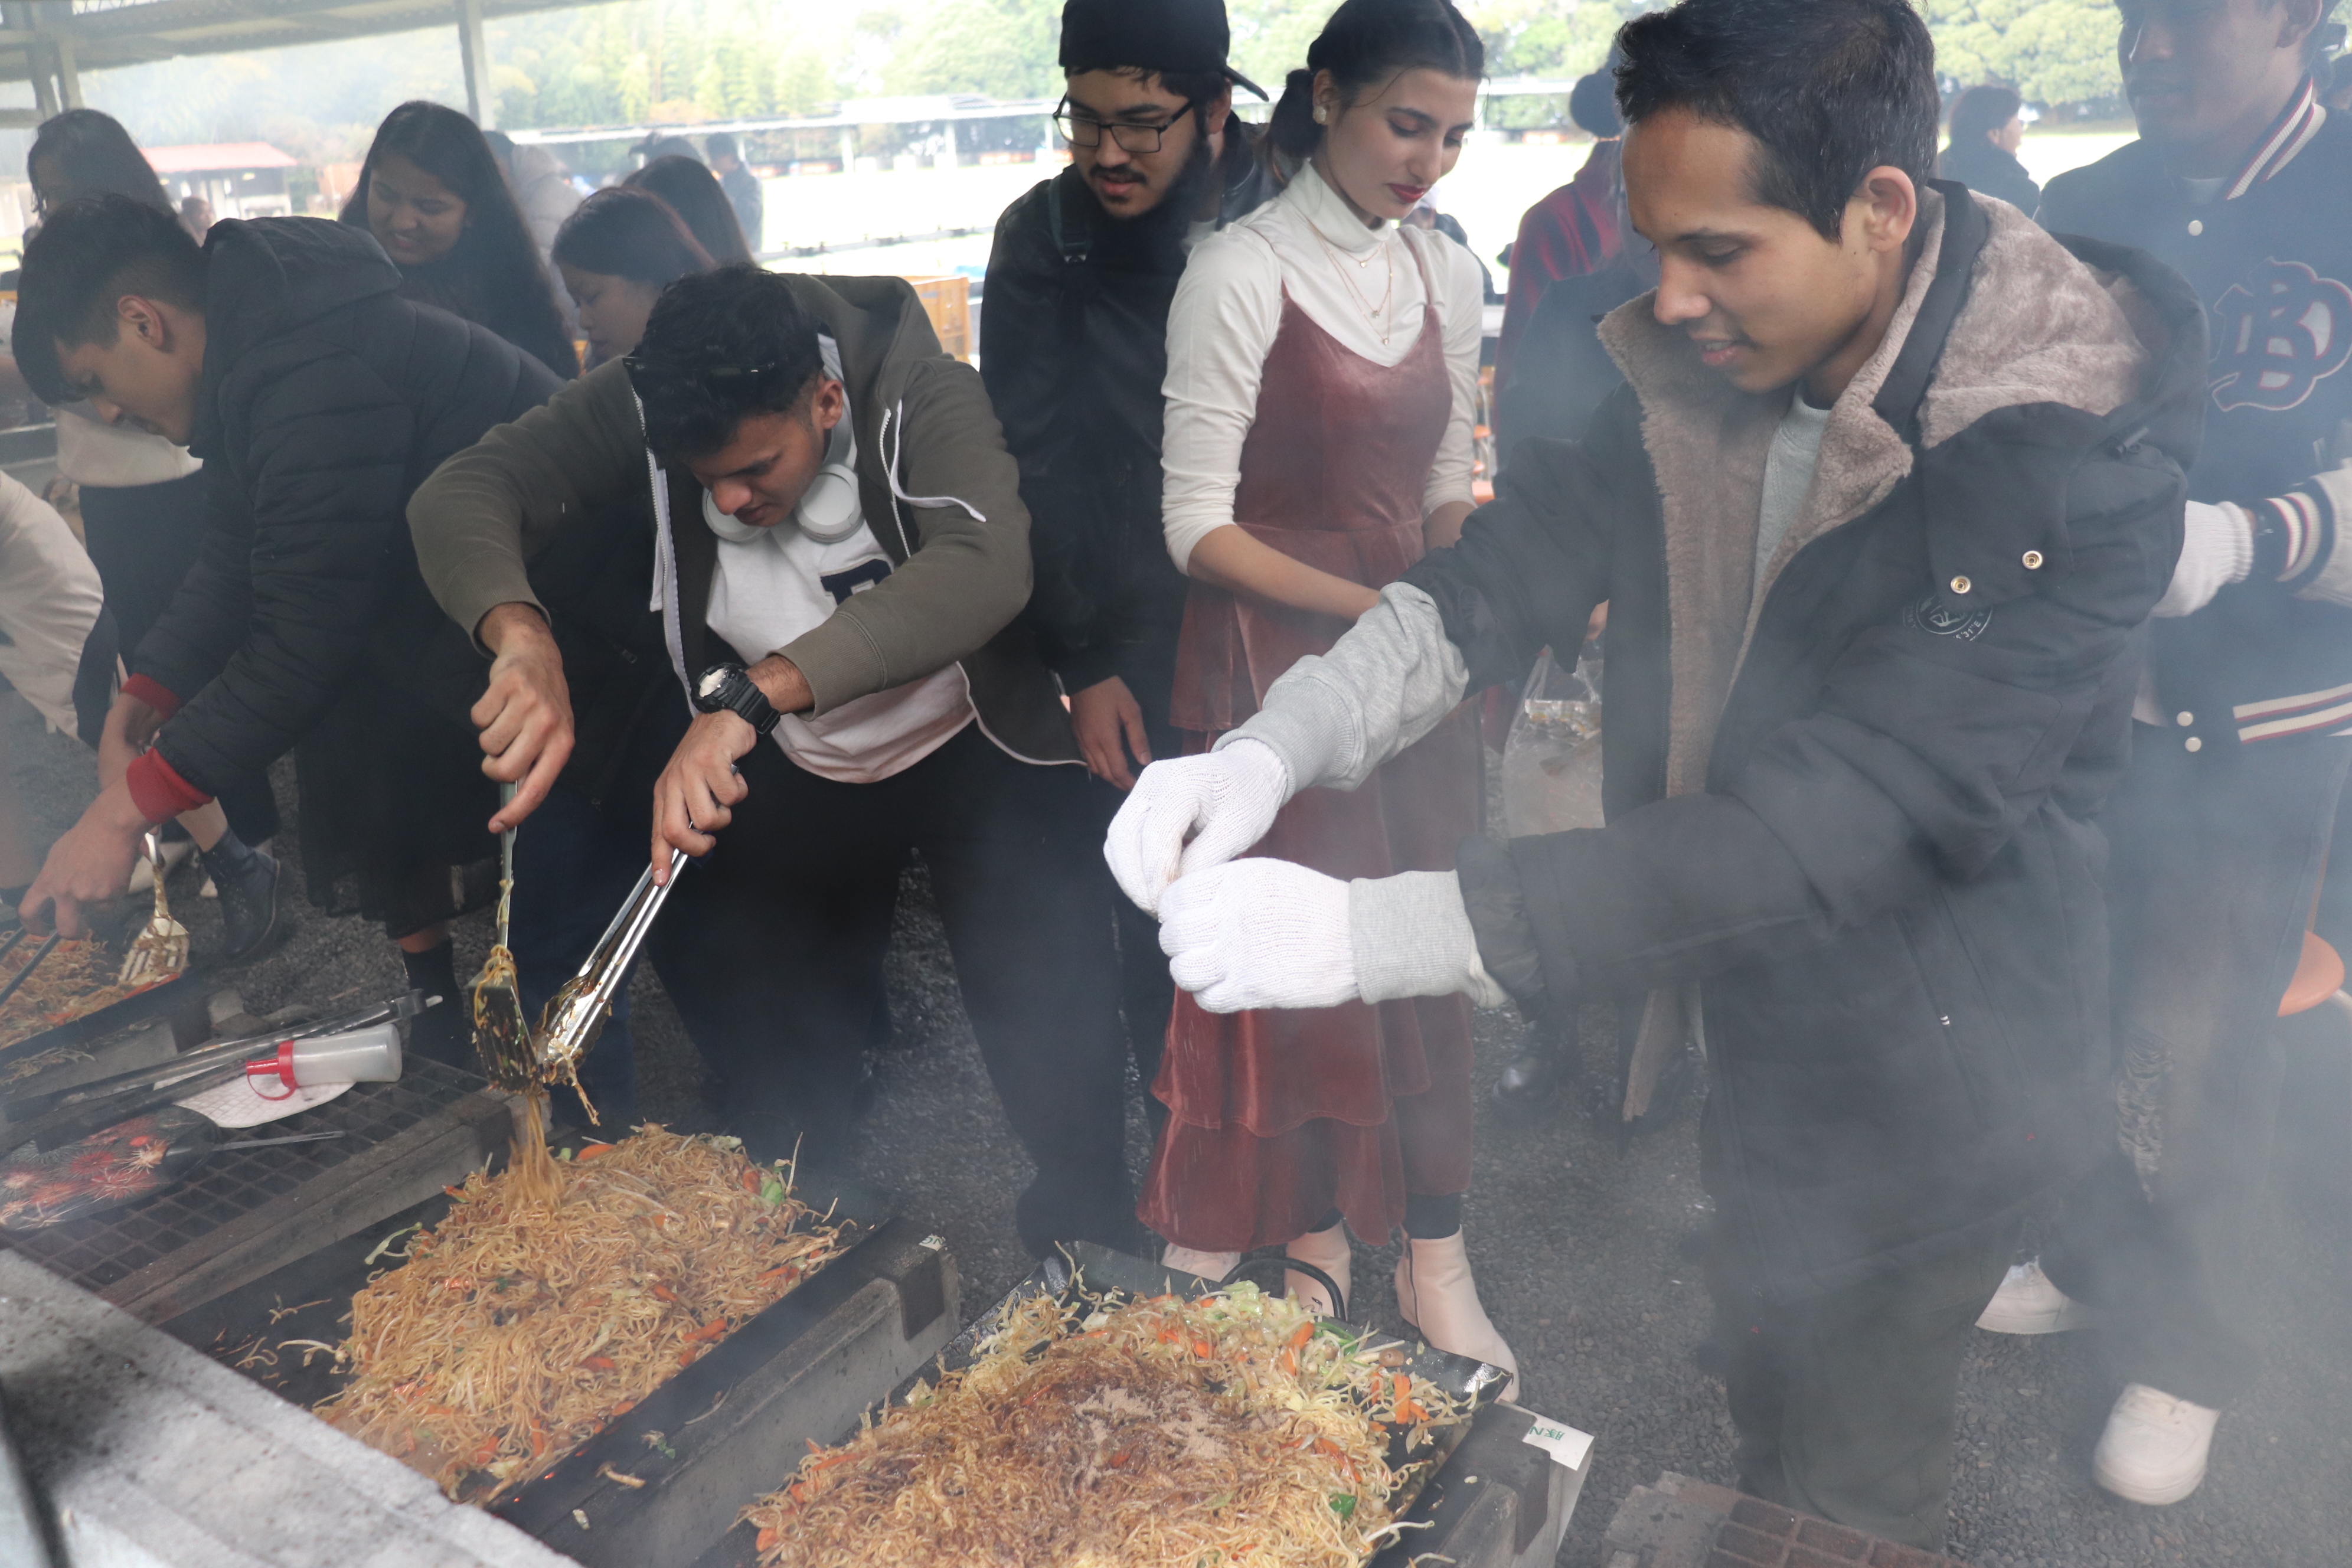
point(749, 595)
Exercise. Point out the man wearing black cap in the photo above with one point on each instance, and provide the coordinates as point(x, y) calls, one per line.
point(1074, 348)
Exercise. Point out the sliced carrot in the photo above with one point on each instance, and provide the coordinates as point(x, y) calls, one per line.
point(709, 1330)
point(600, 1363)
point(624, 1407)
point(1203, 1349)
point(1300, 1335)
point(778, 1272)
point(766, 1541)
point(666, 1294)
point(592, 1151)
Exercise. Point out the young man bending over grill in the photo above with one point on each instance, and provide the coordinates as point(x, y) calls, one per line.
point(1894, 482)
point(282, 353)
point(818, 503)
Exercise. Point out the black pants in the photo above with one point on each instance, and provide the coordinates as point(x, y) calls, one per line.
point(1844, 1402)
point(772, 951)
point(2212, 872)
point(142, 539)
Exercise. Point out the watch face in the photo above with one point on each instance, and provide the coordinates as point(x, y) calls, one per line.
point(712, 679)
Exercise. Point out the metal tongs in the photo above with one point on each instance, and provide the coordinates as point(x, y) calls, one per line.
point(100, 1103)
point(575, 1015)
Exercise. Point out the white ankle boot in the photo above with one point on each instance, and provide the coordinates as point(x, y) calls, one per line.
point(1439, 1301)
point(1210, 1266)
point(1327, 1250)
point(2155, 1447)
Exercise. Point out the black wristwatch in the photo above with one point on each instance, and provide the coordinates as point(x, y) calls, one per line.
point(729, 688)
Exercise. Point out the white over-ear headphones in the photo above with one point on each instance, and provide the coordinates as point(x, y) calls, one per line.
point(829, 510)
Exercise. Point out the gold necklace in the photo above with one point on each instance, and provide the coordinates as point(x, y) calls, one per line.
point(1383, 326)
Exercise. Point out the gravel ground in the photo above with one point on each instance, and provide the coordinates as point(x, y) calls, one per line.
point(1581, 1250)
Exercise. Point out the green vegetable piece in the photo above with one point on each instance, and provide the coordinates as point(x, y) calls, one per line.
point(773, 1191)
point(1344, 1504)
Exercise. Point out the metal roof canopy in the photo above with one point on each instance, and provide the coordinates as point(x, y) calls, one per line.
point(50, 42)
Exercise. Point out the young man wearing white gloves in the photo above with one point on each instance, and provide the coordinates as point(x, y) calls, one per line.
point(1893, 486)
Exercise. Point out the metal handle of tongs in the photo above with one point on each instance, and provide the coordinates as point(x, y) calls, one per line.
point(576, 1014)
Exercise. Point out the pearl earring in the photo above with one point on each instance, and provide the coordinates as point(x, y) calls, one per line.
point(1322, 115)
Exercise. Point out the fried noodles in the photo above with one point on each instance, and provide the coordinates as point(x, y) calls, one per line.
point(76, 980)
point(1235, 1430)
point(520, 1326)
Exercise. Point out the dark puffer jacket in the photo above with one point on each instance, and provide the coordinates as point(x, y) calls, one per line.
point(326, 399)
point(1855, 809)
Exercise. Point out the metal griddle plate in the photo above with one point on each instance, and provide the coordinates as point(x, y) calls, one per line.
point(310, 1298)
point(104, 1249)
point(188, 995)
point(1098, 1270)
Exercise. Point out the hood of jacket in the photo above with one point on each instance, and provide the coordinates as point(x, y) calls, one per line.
point(1996, 314)
point(272, 277)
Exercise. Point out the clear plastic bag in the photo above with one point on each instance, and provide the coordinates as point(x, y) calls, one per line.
point(1551, 760)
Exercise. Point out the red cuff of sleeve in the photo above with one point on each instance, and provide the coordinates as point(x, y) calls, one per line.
point(158, 792)
point(153, 693)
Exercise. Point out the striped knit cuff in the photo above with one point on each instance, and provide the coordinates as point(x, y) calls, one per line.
point(2294, 534)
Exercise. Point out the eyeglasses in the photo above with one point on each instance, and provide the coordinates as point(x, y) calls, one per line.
point(657, 378)
point(1085, 130)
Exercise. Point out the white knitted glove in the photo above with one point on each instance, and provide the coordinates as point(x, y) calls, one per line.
point(1271, 933)
point(1259, 933)
point(2217, 549)
point(1190, 812)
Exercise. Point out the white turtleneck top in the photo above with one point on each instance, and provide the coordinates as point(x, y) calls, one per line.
point(1308, 243)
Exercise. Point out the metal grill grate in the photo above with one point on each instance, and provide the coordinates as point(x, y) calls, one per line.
point(105, 1248)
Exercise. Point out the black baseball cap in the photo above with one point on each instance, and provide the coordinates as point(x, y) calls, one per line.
point(1187, 36)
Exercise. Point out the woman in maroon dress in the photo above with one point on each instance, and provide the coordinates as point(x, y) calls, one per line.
point(1322, 378)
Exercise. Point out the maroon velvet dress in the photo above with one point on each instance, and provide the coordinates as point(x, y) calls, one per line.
point(1278, 1118)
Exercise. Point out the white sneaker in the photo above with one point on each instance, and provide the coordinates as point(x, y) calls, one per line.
point(1327, 1250)
point(2028, 1303)
point(1210, 1266)
point(2155, 1447)
point(1439, 1301)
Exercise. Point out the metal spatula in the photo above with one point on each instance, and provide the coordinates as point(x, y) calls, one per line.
point(501, 1029)
point(160, 951)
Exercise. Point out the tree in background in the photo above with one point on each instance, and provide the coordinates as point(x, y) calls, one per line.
point(685, 61)
point(2051, 51)
point(1540, 38)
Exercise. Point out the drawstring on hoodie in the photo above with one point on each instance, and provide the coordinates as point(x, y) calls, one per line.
point(665, 592)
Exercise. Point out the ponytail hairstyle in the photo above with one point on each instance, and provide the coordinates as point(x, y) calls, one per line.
point(1366, 45)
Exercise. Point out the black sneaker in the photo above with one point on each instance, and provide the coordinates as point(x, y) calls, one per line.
point(251, 915)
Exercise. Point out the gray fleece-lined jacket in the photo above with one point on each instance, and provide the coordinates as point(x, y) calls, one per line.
point(1850, 802)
